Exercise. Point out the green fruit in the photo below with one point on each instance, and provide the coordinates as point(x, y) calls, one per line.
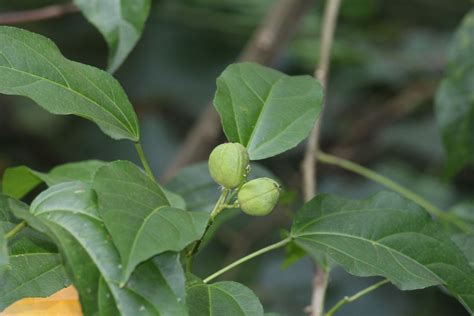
point(258, 197)
point(228, 164)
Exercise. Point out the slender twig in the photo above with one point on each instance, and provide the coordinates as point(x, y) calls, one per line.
point(350, 299)
point(146, 165)
point(321, 73)
point(376, 177)
point(220, 205)
point(265, 44)
point(15, 230)
point(247, 258)
point(308, 166)
point(44, 13)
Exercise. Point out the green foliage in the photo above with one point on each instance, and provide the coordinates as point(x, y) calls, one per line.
point(19, 181)
point(32, 66)
point(34, 267)
point(70, 213)
point(120, 22)
point(153, 227)
point(120, 238)
point(265, 110)
point(230, 298)
point(385, 235)
point(455, 99)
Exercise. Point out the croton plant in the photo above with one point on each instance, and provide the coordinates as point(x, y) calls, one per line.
point(127, 242)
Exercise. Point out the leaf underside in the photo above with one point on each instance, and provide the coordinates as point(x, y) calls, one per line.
point(387, 236)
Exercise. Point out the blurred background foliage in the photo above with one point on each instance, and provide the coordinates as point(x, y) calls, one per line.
point(388, 59)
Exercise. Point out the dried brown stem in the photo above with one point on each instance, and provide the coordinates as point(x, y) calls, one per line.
point(308, 165)
point(44, 13)
point(267, 41)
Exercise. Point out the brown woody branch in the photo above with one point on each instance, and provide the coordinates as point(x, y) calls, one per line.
point(44, 13)
point(308, 166)
point(267, 41)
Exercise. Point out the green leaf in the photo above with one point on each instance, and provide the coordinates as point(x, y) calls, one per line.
point(385, 235)
point(7, 220)
point(176, 200)
point(121, 22)
point(34, 272)
point(455, 99)
point(138, 216)
point(19, 181)
point(70, 212)
point(35, 269)
point(32, 66)
point(465, 242)
point(266, 110)
point(229, 298)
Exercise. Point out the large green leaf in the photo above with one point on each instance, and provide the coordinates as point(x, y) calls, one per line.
point(266, 110)
point(455, 99)
point(222, 298)
point(121, 22)
point(35, 269)
point(69, 211)
point(32, 66)
point(385, 235)
point(138, 216)
point(19, 181)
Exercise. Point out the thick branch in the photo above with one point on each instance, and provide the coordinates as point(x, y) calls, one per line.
point(308, 167)
point(44, 13)
point(267, 41)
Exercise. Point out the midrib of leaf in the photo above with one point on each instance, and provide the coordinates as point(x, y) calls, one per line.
point(79, 242)
point(74, 91)
point(373, 243)
point(265, 103)
point(67, 86)
point(58, 266)
point(281, 131)
point(142, 226)
point(340, 213)
point(95, 260)
point(163, 197)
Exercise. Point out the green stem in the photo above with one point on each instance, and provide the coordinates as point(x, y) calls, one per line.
point(220, 205)
point(349, 299)
point(146, 165)
point(247, 258)
point(372, 175)
point(18, 228)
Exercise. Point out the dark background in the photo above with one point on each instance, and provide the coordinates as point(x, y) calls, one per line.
point(388, 59)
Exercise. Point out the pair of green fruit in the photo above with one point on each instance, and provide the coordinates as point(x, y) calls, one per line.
point(229, 165)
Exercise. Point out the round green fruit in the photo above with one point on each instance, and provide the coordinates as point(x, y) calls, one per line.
point(228, 164)
point(258, 197)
